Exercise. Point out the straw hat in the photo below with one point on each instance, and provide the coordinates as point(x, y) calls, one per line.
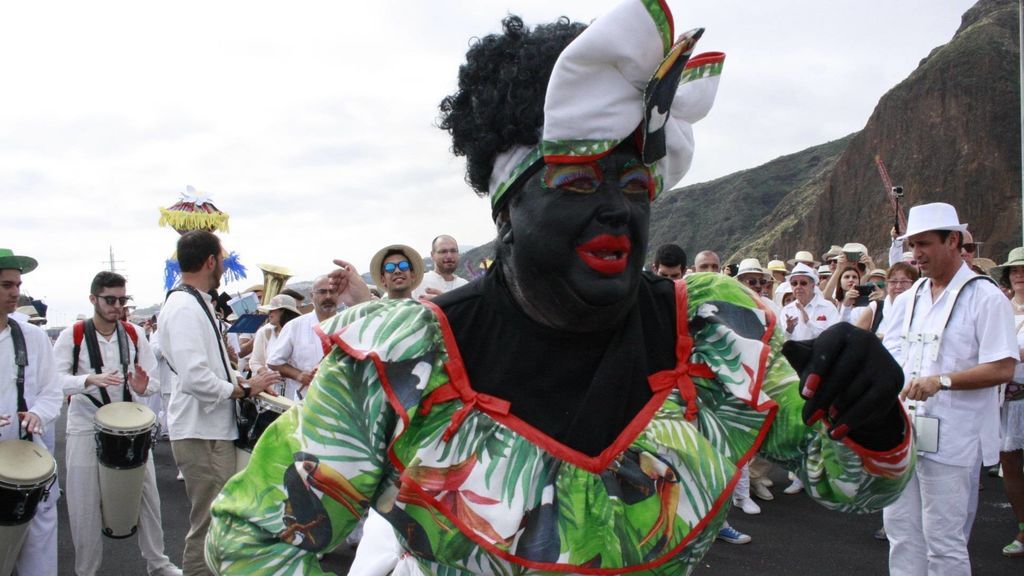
point(854, 248)
point(281, 302)
point(824, 271)
point(777, 266)
point(415, 260)
point(805, 257)
point(833, 251)
point(750, 266)
point(876, 272)
point(1016, 258)
point(10, 261)
point(934, 216)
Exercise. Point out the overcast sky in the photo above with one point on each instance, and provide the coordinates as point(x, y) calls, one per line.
point(312, 123)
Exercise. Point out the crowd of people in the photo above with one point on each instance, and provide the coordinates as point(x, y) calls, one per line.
point(567, 412)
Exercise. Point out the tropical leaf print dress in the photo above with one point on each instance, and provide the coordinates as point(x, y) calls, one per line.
point(392, 421)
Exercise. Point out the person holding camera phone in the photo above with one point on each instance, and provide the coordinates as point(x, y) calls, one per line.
point(851, 296)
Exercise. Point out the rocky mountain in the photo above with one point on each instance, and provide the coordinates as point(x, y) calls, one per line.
point(949, 132)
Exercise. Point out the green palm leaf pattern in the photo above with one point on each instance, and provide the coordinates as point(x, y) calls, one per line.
point(646, 503)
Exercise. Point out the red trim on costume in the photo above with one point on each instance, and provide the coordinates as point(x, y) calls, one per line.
point(705, 58)
point(671, 22)
point(325, 340)
point(569, 159)
point(379, 365)
point(459, 387)
point(887, 463)
point(459, 381)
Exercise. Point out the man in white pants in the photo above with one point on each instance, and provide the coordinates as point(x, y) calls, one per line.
point(93, 382)
point(41, 398)
point(953, 334)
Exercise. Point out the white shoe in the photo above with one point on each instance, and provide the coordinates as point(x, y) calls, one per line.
point(795, 488)
point(761, 491)
point(180, 477)
point(747, 505)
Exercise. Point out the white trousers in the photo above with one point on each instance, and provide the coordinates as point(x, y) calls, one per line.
point(925, 525)
point(378, 551)
point(742, 489)
point(86, 519)
point(38, 554)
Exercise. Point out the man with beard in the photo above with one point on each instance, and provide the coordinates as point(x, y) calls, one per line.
point(444, 251)
point(298, 350)
point(567, 412)
point(398, 270)
point(93, 382)
point(201, 414)
point(28, 411)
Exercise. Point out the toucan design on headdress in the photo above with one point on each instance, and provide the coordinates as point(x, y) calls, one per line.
point(622, 77)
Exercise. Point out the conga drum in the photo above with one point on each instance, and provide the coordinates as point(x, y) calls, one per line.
point(267, 409)
point(27, 470)
point(123, 441)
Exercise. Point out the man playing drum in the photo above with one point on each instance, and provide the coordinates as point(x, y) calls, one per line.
point(202, 412)
point(29, 412)
point(92, 382)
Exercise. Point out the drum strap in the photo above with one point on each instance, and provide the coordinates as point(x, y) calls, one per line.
point(879, 305)
point(21, 361)
point(92, 346)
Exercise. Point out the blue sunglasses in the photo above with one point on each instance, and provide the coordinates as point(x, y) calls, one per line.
point(390, 267)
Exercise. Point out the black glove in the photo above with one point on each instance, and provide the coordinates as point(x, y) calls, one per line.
point(852, 382)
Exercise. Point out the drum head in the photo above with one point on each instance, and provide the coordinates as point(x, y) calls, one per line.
point(278, 404)
point(125, 417)
point(24, 463)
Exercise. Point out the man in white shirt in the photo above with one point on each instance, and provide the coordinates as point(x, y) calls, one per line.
point(809, 314)
point(31, 415)
point(93, 382)
point(444, 251)
point(201, 415)
point(298, 350)
point(953, 334)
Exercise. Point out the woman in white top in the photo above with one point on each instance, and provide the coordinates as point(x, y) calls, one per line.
point(1011, 454)
point(846, 294)
point(282, 309)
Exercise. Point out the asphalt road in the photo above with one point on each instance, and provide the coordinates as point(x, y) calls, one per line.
point(792, 535)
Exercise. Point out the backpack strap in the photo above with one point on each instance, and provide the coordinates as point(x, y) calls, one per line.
point(21, 361)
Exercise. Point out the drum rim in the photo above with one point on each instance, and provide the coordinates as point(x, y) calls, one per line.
point(124, 430)
point(101, 429)
point(8, 482)
point(273, 405)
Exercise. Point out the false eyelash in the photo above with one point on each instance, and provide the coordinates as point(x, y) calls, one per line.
point(637, 173)
point(563, 177)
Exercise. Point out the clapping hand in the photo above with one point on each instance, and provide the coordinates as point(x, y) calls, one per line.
point(138, 380)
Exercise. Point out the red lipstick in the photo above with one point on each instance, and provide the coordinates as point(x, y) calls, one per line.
point(605, 254)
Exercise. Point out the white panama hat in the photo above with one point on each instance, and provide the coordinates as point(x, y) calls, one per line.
point(802, 269)
point(934, 216)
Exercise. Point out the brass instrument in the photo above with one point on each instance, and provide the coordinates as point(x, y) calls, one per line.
point(274, 279)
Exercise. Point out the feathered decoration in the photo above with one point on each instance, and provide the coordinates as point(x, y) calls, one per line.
point(172, 272)
point(194, 211)
point(233, 268)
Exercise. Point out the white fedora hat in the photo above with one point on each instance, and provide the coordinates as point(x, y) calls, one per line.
point(802, 269)
point(934, 216)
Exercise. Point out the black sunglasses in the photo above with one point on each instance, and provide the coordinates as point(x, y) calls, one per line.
point(756, 282)
point(390, 267)
point(111, 300)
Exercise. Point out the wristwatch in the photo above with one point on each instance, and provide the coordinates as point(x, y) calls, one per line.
point(945, 383)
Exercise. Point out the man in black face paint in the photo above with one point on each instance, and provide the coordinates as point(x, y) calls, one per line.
point(566, 412)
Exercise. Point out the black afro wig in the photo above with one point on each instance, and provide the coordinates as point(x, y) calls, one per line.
point(500, 100)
